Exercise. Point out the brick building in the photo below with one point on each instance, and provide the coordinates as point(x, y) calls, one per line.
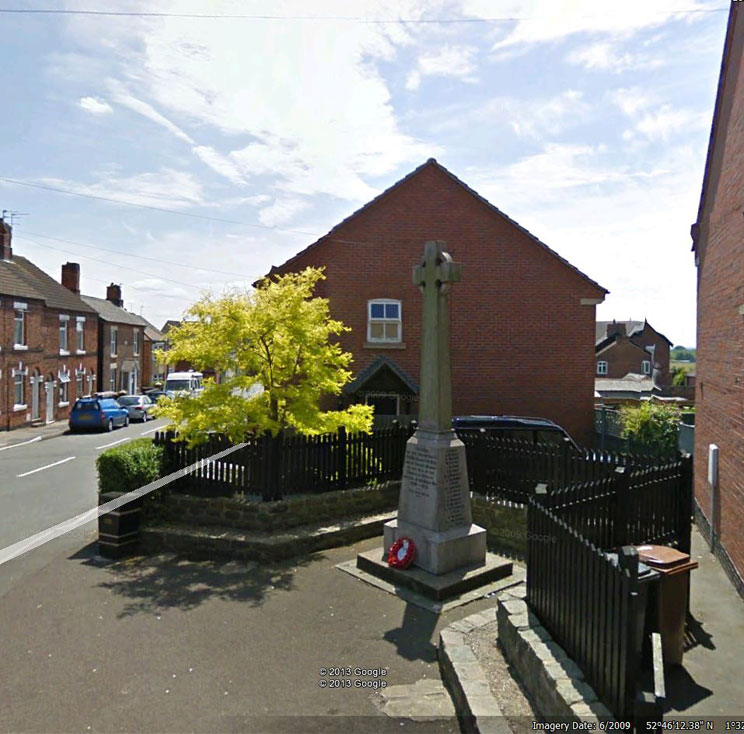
point(624, 347)
point(121, 338)
point(518, 302)
point(48, 340)
point(718, 244)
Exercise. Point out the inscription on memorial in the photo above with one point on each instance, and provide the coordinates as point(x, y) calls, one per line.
point(420, 472)
point(455, 494)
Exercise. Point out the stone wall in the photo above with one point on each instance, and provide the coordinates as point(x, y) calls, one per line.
point(506, 525)
point(248, 514)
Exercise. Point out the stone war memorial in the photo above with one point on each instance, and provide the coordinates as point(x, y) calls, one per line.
point(434, 508)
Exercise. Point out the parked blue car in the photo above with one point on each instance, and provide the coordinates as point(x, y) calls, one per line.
point(101, 413)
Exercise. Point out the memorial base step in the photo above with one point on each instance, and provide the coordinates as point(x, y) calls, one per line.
point(438, 587)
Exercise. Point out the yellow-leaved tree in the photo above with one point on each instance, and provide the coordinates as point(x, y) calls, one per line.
point(273, 352)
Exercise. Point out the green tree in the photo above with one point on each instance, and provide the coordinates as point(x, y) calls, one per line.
point(679, 374)
point(653, 424)
point(272, 348)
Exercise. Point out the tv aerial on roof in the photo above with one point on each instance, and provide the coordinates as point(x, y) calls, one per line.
point(13, 215)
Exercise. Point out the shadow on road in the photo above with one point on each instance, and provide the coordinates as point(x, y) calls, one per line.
point(413, 638)
point(154, 583)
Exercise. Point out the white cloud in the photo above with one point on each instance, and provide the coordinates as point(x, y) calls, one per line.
point(449, 61)
point(668, 121)
point(308, 93)
point(281, 211)
point(631, 100)
point(551, 20)
point(606, 56)
point(167, 188)
point(528, 118)
point(95, 106)
point(219, 163)
point(121, 96)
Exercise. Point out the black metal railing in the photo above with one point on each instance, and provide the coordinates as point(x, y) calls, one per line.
point(593, 605)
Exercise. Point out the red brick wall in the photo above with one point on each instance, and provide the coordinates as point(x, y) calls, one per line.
point(124, 351)
point(719, 392)
point(622, 356)
point(521, 341)
point(42, 356)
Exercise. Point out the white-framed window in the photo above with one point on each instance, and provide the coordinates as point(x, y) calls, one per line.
point(136, 342)
point(646, 367)
point(112, 380)
point(601, 368)
point(114, 340)
point(19, 324)
point(64, 322)
point(384, 323)
point(91, 382)
point(79, 383)
point(63, 376)
point(19, 387)
point(80, 334)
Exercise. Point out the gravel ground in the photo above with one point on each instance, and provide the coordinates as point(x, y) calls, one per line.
point(511, 697)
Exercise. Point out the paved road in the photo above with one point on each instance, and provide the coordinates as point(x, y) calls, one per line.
point(45, 482)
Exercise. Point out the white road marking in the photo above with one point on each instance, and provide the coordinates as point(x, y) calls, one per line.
point(48, 466)
point(34, 541)
point(113, 443)
point(152, 430)
point(22, 443)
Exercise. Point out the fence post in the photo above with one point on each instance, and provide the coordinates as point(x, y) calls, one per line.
point(604, 429)
point(634, 624)
point(686, 506)
point(272, 488)
point(620, 501)
point(341, 448)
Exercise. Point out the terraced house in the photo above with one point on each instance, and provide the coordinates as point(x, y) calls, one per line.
point(121, 335)
point(48, 340)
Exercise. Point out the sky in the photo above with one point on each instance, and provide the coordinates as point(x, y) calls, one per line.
point(177, 155)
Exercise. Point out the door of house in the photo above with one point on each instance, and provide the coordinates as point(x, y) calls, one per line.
point(49, 389)
point(35, 397)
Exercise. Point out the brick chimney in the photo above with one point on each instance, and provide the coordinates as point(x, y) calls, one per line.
point(113, 294)
point(615, 328)
point(6, 232)
point(71, 277)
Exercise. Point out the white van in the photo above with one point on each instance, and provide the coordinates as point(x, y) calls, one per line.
point(189, 382)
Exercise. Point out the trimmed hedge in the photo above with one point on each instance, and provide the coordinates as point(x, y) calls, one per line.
point(130, 466)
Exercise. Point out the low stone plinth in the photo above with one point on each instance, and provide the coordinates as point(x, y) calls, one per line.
point(441, 586)
point(555, 683)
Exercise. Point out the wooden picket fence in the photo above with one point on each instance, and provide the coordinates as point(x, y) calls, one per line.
point(273, 466)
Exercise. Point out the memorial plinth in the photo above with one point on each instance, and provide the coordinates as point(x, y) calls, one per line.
point(434, 508)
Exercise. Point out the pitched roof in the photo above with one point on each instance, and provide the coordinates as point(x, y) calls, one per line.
point(378, 363)
point(20, 277)
point(637, 384)
point(432, 162)
point(151, 332)
point(630, 328)
point(169, 324)
point(107, 311)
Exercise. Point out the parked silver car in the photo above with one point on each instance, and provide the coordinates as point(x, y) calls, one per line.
point(139, 407)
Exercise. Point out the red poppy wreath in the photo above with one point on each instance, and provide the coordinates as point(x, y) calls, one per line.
point(402, 553)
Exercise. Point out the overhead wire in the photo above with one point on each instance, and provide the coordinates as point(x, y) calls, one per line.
point(341, 18)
